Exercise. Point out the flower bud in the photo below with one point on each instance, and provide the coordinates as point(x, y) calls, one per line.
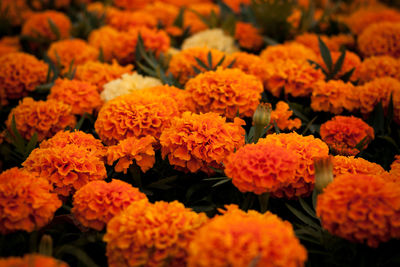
point(262, 115)
point(323, 172)
point(46, 245)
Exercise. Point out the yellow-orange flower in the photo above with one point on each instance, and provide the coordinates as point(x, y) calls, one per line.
point(165, 13)
point(9, 45)
point(289, 51)
point(146, 234)
point(361, 208)
point(181, 97)
point(307, 148)
point(380, 39)
point(104, 39)
point(32, 260)
point(395, 166)
point(197, 142)
point(20, 73)
point(192, 20)
point(227, 92)
point(132, 149)
point(281, 116)
point(25, 201)
point(378, 67)
point(96, 203)
point(238, 239)
point(45, 118)
point(310, 40)
point(137, 114)
point(123, 20)
point(248, 36)
point(352, 165)
point(131, 4)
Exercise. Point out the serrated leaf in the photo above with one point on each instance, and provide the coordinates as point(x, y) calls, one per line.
point(325, 54)
point(302, 217)
point(54, 29)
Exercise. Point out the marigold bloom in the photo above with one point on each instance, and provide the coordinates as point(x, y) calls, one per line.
point(281, 116)
point(20, 73)
point(9, 45)
point(45, 118)
point(361, 208)
point(289, 51)
point(248, 36)
point(310, 40)
point(96, 203)
point(307, 148)
point(137, 114)
point(164, 13)
point(25, 201)
point(211, 38)
point(237, 239)
point(132, 149)
point(131, 4)
point(181, 97)
point(352, 165)
point(235, 4)
point(182, 63)
point(32, 260)
point(15, 12)
point(123, 20)
point(192, 20)
point(104, 39)
point(146, 234)
point(334, 96)
point(197, 142)
point(351, 61)
point(378, 67)
point(99, 73)
point(225, 91)
point(395, 166)
point(38, 26)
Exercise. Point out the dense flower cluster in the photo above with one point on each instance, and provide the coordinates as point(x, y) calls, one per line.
point(310, 40)
point(32, 260)
point(147, 234)
point(191, 17)
point(351, 61)
point(289, 51)
point(163, 12)
point(281, 116)
point(124, 20)
point(26, 202)
point(96, 203)
point(181, 97)
point(248, 36)
point(378, 67)
point(197, 142)
point(352, 165)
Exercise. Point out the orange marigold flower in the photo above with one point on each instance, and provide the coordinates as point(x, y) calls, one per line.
point(378, 67)
point(136, 114)
point(237, 239)
point(20, 73)
point(9, 45)
point(123, 20)
point(352, 165)
point(307, 148)
point(197, 142)
point(131, 4)
point(38, 25)
point(45, 118)
point(15, 12)
point(343, 134)
point(191, 16)
point(395, 166)
point(96, 203)
point(248, 36)
point(66, 52)
point(57, 4)
point(83, 97)
point(310, 40)
point(185, 3)
point(164, 13)
point(227, 92)
point(32, 260)
point(67, 168)
point(25, 201)
point(289, 51)
point(334, 96)
point(261, 168)
point(182, 64)
point(281, 116)
point(146, 234)
point(380, 39)
point(361, 208)
point(181, 97)
point(132, 149)
point(104, 39)
point(351, 61)
point(235, 4)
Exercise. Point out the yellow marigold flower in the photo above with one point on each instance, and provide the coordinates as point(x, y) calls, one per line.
point(289, 51)
point(165, 13)
point(352, 165)
point(25, 201)
point(96, 203)
point(310, 40)
point(137, 114)
point(45, 118)
point(361, 208)
point(32, 260)
point(38, 26)
point(378, 67)
point(99, 73)
point(9, 45)
point(238, 239)
point(334, 96)
point(343, 134)
point(281, 116)
point(182, 63)
point(146, 234)
point(83, 97)
point(380, 39)
point(192, 20)
point(307, 148)
point(67, 168)
point(181, 97)
point(197, 142)
point(225, 91)
point(235, 4)
point(73, 50)
point(123, 20)
point(20, 73)
point(132, 149)
point(248, 36)
point(351, 61)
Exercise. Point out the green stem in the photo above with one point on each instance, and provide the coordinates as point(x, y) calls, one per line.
point(258, 130)
point(248, 201)
point(264, 200)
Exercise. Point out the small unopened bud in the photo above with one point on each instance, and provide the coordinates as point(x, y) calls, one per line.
point(46, 245)
point(262, 115)
point(323, 172)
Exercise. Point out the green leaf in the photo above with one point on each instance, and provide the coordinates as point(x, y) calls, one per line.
point(338, 64)
point(80, 122)
point(326, 54)
point(19, 141)
point(377, 119)
point(54, 29)
point(101, 55)
point(304, 218)
point(78, 253)
point(346, 77)
point(230, 65)
point(31, 145)
point(221, 182)
point(307, 208)
point(219, 62)
point(178, 22)
point(202, 64)
point(309, 125)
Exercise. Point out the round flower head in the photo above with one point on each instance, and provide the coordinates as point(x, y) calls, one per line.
point(351, 61)
point(248, 36)
point(182, 64)
point(380, 39)
point(197, 142)
point(181, 97)
point(9, 45)
point(45, 118)
point(137, 114)
point(25, 201)
point(96, 203)
point(261, 168)
point(307, 148)
point(238, 239)
point(20, 73)
point(281, 116)
point(289, 51)
point(191, 17)
point(83, 97)
point(73, 51)
point(225, 91)
point(32, 260)
point(395, 166)
point(146, 234)
point(99, 73)
point(104, 39)
point(378, 67)
point(131, 4)
point(123, 20)
point(344, 134)
point(352, 165)
point(132, 149)
point(361, 208)
point(38, 25)
point(165, 13)
point(310, 40)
